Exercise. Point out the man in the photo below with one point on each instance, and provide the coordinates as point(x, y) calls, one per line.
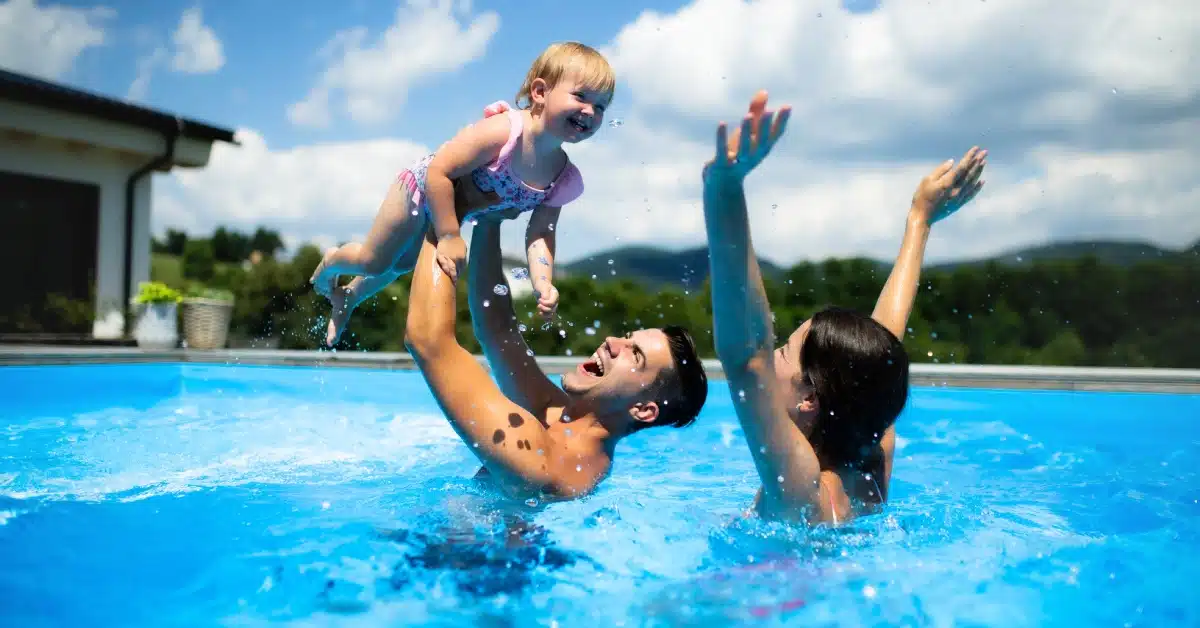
point(535, 440)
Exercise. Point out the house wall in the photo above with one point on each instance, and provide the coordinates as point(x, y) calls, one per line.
point(109, 170)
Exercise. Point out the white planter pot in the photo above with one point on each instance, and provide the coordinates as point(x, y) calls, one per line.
point(157, 326)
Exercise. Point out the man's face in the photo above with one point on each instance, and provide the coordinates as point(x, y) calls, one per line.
point(622, 371)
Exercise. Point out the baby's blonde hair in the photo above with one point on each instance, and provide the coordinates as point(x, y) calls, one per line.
point(564, 59)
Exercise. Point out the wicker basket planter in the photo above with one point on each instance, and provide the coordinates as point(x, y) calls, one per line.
point(206, 322)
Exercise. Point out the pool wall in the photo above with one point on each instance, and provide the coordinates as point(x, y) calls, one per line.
point(955, 375)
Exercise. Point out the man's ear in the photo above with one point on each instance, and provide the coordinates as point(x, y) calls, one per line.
point(646, 412)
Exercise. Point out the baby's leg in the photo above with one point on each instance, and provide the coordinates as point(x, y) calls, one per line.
point(399, 225)
point(345, 300)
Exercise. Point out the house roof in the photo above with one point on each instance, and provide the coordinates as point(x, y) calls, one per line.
point(36, 92)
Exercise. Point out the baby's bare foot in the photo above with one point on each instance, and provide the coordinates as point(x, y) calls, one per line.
point(339, 316)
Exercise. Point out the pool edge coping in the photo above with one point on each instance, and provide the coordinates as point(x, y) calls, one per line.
point(1111, 379)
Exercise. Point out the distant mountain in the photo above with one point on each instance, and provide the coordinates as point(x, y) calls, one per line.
point(656, 267)
point(653, 267)
point(1106, 251)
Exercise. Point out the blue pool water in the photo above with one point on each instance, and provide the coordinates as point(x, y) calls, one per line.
point(164, 495)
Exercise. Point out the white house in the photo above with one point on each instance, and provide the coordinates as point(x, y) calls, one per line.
point(75, 177)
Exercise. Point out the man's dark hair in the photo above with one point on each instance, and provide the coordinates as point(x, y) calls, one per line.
point(685, 387)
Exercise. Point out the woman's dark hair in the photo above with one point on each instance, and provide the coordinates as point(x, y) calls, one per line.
point(858, 371)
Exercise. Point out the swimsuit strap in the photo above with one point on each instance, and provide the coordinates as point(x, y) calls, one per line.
point(516, 120)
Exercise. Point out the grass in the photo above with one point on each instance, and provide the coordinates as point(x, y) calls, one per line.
point(169, 269)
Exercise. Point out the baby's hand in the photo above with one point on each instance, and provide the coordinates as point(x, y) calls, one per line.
point(547, 298)
point(452, 256)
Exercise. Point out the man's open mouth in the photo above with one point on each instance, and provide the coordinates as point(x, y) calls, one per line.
point(594, 367)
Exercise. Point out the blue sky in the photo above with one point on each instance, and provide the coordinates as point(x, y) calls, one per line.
point(1088, 108)
point(271, 59)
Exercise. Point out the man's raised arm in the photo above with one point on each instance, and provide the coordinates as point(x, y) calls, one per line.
point(514, 447)
point(495, 325)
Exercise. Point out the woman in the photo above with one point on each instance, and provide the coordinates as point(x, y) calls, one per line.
point(819, 411)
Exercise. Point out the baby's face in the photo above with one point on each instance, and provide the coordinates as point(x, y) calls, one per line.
point(575, 109)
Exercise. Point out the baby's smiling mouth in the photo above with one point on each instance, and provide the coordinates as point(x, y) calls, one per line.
point(580, 123)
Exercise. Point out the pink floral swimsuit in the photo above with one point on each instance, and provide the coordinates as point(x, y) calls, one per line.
point(497, 176)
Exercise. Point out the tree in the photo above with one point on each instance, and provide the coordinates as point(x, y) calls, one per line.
point(198, 262)
point(266, 241)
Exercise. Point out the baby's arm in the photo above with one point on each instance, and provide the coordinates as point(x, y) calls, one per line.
point(471, 148)
point(540, 247)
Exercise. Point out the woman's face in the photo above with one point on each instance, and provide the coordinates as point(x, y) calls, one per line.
point(791, 379)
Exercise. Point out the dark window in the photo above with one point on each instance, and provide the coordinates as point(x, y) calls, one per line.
point(48, 234)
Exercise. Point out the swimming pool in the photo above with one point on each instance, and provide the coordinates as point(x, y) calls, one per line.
point(172, 494)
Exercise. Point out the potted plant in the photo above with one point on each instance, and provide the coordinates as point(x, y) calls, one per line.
point(157, 322)
point(207, 313)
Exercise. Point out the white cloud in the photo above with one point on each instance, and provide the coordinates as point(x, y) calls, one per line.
point(197, 49)
point(320, 192)
point(146, 65)
point(372, 78)
point(46, 41)
point(880, 99)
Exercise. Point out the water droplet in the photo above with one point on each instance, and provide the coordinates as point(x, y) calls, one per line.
point(532, 502)
point(562, 333)
point(578, 467)
point(520, 273)
point(487, 303)
point(570, 353)
point(780, 479)
point(529, 352)
point(522, 328)
point(741, 394)
point(500, 289)
point(933, 334)
point(616, 123)
point(589, 331)
point(610, 262)
point(869, 591)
